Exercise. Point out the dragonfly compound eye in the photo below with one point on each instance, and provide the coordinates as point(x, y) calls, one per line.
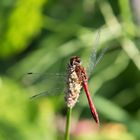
point(75, 60)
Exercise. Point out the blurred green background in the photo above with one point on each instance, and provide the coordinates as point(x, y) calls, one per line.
point(40, 36)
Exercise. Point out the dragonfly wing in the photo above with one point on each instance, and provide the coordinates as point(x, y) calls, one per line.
point(94, 60)
point(33, 78)
point(93, 55)
point(54, 92)
point(101, 55)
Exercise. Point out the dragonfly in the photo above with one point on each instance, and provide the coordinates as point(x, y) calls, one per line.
point(76, 78)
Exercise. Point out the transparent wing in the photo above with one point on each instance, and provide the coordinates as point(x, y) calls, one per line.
point(99, 58)
point(93, 55)
point(94, 59)
point(49, 83)
point(33, 78)
point(53, 92)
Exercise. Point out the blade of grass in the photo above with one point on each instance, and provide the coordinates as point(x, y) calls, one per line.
point(67, 131)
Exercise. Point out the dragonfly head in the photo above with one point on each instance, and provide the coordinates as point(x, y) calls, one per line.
point(75, 60)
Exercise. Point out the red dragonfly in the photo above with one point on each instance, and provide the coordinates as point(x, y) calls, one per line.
point(77, 77)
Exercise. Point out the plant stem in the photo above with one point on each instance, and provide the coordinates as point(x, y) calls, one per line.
point(67, 130)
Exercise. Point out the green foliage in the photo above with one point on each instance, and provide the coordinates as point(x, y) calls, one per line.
point(40, 36)
point(23, 23)
point(20, 118)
